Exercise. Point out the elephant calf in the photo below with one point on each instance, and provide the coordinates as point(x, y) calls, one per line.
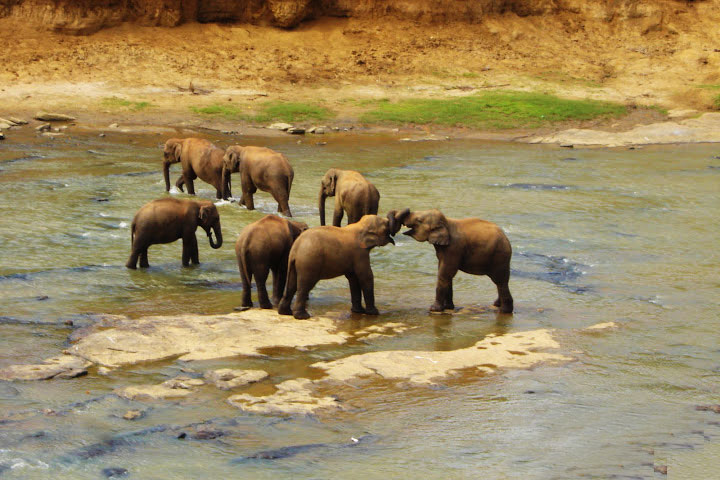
point(471, 245)
point(168, 219)
point(353, 194)
point(328, 252)
point(264, 246)
point(199, 159)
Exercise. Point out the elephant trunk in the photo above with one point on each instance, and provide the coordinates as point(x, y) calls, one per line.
point(166, 173)
point(321, 205)
point(218, 235)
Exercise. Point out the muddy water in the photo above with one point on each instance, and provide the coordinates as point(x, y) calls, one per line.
point(598, 236)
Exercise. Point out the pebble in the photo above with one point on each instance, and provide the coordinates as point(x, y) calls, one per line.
point(133, 414)
point(53, 117)
point(2, 136)
point(101, 135)
point(661, 469)
point(113, 125)
point(112, 472)
point(43, 127)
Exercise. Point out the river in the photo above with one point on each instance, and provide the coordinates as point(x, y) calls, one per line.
point(598, 235)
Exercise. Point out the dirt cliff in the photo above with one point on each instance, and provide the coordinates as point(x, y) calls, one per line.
point(89, 16)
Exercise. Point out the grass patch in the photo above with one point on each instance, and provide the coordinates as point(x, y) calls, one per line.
point(710, 87)
point(716, 102)
point(500, 109)
point(121, 103)
point(269, 112)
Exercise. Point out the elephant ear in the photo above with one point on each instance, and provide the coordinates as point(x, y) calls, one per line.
point(331, 176)
point(178, 150)
point(440, 234)
point(369, 239)
point(204, 213)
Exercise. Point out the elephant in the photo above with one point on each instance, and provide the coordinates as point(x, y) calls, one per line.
point(353, 194)
point(261, 168)
point(261, 247)
point(328, 252)
point(168, 219)
point(471, 245)
point(199, 158)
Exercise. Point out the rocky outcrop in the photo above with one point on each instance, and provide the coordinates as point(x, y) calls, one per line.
point(88, 16)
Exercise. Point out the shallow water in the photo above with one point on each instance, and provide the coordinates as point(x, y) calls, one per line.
point(628, 236)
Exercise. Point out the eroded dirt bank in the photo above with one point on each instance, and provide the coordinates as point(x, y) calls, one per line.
point(663, 53)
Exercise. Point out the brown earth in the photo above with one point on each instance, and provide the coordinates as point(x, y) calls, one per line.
point(654, 53)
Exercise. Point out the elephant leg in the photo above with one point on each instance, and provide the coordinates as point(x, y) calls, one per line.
point(261, 274)
point(144, 258)
point(279, 273)
point(355, 293)
point(505, 299)
point(135, 252)
point(290, 289)
point(194, 254)
point(180, 182)
point(246, 284)
point(443, 290)
point(365, 277)
point(282, 198)
point(228, 184)
point(186, 252)
point(304, 285)
point(337, 215)
point(248, 189)
point(189, 177)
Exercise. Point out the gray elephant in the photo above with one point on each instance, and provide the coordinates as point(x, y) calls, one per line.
point(199, 158)
point(353, 194)
point(169, 219)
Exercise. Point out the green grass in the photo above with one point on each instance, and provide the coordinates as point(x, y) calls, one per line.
point(269, 112)
point(710, 86)
point(115, 102)
point(500, 109)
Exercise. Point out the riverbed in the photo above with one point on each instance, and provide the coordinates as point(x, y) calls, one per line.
point(627, 236)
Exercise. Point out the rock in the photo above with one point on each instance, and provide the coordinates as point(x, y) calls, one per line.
point(317, 130)
point(52, 134)
point(292, 397)
point(602, 326)
point(4, 126)
point(43, 128)
point(296, 131)
point(113, 125)
point(53, 117)
point(123, 341)
point(114, 472)
point(17, 121)
point(226, 378)
point(169, 389)
point(104, 371)
point(663, 469)
point(133, 414)
point(101, 135)
point(336, 129)
point(62, 366)
point(280, 126)
point(2, 136)
point(708, 408)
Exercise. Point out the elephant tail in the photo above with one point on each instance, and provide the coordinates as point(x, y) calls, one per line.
point(243, 264)
point(132, 234)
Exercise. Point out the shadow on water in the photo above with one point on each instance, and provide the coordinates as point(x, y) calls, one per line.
point(553, 269)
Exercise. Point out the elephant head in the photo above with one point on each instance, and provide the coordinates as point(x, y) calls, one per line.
point(231, 164)
point(374, 231)
point(296, 228)
point(171, 154)
point(327, 189)
point(428, 225)
point(209, 220)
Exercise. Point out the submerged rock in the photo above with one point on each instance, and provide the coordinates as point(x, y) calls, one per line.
point(181, 386)
point(123, 341)
point(226, 378)
point(292, 397)
point(114, 472)
point(62, 366)
point(513, 350)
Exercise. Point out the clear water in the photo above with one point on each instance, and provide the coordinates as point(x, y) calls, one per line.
point(628, 236)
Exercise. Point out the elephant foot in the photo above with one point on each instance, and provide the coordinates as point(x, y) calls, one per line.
point(497, 303)
point(436, 307)
point(242, 308)
point(131, 266)
point(357, 310)
point(302, 315)
point(266, 305)
point(284, 310)
point(372, 311)
point(506, 307)
point(449, 306)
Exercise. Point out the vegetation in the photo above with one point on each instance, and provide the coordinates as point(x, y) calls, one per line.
point(499, 109)
point(269, 112)
point(121, 103)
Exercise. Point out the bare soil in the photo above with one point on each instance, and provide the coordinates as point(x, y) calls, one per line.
point(339, 62)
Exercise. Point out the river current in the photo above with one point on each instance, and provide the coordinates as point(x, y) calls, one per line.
point(598, 235)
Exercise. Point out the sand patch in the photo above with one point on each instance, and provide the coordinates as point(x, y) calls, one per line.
point(200, 337)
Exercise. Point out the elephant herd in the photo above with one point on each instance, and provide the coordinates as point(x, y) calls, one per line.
point(298, 256)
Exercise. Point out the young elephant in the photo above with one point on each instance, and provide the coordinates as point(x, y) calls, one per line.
point(328, 252)
point(261, 168)
point(263, 246)
point(471, 245)
point(168, 219)
point(353, 194)
point(199, 159)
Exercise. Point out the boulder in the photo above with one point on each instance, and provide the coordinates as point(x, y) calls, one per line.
point(296, 131)
point(43, 127)
point(227, 379)
point(17, 121)
point(62, 366)
point(280, 126)
point(4, 126)
point(53, 117)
